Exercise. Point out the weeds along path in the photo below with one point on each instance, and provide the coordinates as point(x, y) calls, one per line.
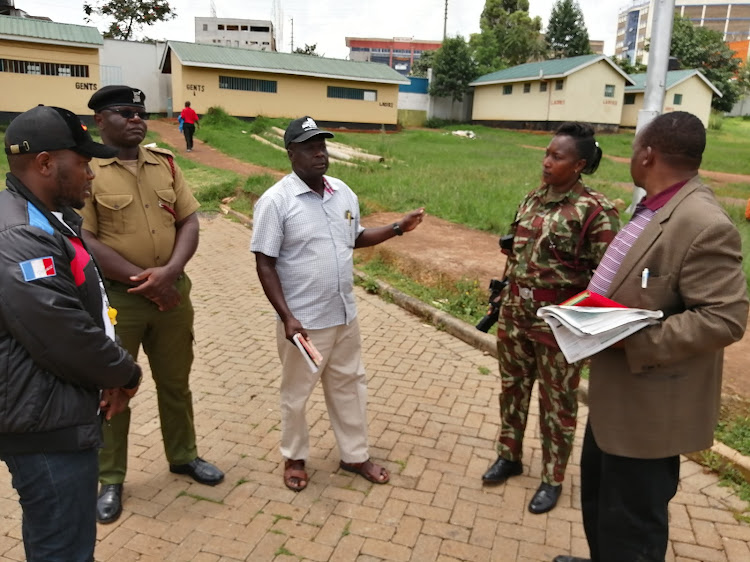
point(437, 251)
point(206, 154)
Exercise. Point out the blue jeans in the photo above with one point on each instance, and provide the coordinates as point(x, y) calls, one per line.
point(57, 492)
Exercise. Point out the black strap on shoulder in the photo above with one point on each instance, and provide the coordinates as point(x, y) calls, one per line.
point(576, 265)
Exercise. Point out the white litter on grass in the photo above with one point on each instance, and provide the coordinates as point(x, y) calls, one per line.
point(464, 134)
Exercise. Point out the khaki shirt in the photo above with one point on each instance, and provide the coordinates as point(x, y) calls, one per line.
point(131, 213)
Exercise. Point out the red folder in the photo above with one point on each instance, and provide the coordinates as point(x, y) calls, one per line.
point(590, 298)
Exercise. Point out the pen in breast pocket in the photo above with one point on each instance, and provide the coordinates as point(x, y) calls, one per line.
point(644, 278)
point(348, 216)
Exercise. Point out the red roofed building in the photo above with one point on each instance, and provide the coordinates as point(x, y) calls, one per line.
point(399, 53)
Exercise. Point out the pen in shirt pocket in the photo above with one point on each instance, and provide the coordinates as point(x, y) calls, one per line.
point(644, 278)
point(348, 216)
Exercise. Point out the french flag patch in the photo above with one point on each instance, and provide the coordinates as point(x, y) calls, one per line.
point(38, 268)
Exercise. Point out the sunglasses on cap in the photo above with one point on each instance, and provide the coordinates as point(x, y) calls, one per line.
point(128, 113)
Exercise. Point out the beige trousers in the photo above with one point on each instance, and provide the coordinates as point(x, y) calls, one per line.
point(344, 386)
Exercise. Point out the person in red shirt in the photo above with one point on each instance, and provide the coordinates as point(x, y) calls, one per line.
point(190, 120)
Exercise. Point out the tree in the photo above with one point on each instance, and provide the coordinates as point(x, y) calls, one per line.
point(626, 67)
point(704, 49)
point(509, 36)
point(308, 50)
point(129, 15)
point(452, 69)
point(423, 63)
point(567, 35)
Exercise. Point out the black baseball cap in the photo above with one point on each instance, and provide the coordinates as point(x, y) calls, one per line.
point(45, 128)
point(109, 96)
point(302, 129)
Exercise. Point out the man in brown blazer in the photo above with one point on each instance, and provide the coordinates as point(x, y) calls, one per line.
point(656, 394)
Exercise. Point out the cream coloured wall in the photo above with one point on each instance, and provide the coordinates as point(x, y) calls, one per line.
point(490, 104)
point(696, 99)
point(295, 96)
point(23, 91)
point(583, 96)
point(581, 99)
point(630, 112)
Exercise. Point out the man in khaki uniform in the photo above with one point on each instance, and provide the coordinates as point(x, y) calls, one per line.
point(141, 225)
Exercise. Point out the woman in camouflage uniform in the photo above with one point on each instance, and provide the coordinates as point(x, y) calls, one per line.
point(560, 233)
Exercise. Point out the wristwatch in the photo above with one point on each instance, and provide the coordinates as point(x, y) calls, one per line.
point(397, 229)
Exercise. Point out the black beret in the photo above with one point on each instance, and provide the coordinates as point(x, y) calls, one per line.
point(117, 95)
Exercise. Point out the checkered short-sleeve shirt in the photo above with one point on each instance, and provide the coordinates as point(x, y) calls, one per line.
point(312, 239)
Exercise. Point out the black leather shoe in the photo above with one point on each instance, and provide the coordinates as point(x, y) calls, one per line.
point(200, 471)
point(109, 503)
point(545, 498)
point(501, 470)
point(570, 559)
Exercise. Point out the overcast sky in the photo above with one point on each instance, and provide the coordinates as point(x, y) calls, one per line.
point(326, 23)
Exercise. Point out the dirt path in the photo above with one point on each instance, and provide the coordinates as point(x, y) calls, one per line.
point(439, 249)
point(203, 153)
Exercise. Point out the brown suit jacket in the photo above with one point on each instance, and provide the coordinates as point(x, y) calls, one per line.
point(659, 396)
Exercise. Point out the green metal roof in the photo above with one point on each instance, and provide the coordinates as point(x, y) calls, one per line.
point(217, 56)
point(43, 31)
point(674, 77)
point(554, 68)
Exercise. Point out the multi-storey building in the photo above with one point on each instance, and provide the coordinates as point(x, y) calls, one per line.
point(731, 19)
point(229, 32)
point(399, 53)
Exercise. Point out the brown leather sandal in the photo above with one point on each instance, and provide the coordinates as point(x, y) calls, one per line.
point(367, 470)
point(295, 477)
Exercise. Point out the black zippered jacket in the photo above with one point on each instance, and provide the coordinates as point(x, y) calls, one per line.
point(54, 353)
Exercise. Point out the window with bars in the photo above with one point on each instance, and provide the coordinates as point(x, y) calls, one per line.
point(609, 90)
point(677, 100)
point(44, 68)
point(629, 99)
point(339, 92)
point(507, 89)
point(247, 84)
point(558, 84)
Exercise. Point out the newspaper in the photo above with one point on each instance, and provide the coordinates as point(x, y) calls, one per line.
point(582, 331)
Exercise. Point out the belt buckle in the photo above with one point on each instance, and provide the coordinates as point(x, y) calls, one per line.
point(525, 293)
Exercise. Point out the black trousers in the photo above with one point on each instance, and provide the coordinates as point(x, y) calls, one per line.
point(625, 503)
point(188, 129)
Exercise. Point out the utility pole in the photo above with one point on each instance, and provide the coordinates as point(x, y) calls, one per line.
point(656, 74)
point(445, 21)
point(292, 35)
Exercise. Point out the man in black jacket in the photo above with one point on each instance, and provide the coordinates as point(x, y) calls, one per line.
point(57, 348)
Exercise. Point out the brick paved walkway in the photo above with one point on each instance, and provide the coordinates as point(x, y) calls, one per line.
point(433, 410)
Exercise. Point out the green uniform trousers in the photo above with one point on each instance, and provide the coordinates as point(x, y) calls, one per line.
point(167, 340)
point(522, 361)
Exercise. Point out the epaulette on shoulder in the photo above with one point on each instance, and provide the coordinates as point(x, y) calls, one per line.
point(159, 150)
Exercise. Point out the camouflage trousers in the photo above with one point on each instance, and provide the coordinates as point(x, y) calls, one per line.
point(522, 361)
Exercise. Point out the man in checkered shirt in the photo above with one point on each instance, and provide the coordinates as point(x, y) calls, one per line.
point(304, 230)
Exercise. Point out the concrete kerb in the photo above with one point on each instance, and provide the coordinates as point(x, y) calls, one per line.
point(487, 344)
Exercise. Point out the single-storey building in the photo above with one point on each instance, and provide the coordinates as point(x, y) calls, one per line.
point(542, 95)
point(686, 90)
point(48, 63)
point(246, 84)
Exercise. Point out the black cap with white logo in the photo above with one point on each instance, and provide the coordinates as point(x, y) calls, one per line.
point(302, 129)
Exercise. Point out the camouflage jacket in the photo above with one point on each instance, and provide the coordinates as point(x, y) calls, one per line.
point(549, 251)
